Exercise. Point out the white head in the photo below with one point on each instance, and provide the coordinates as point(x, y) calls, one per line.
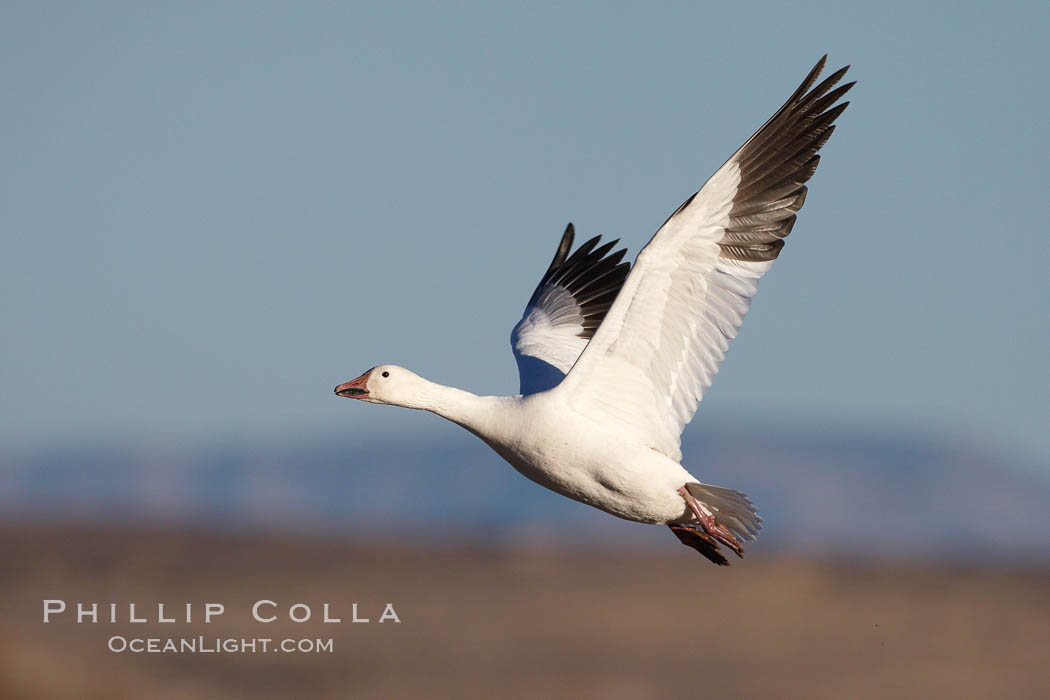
point(387, 384)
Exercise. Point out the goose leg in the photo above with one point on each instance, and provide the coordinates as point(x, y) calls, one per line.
point(709, 525)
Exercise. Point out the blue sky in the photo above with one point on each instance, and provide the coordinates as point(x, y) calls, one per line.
point(213, 213)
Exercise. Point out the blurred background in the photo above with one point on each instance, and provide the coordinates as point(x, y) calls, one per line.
point(213, 214)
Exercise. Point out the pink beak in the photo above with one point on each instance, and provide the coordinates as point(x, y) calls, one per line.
point(355, 388)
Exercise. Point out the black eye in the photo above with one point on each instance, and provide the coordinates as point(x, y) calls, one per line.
point(386, 374)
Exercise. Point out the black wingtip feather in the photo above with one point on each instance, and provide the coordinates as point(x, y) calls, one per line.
point(592, 274)
point(777, 161)
point(563, 249)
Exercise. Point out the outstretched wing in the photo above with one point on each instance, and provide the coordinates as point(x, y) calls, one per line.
point(567, 307)
point(664, 338)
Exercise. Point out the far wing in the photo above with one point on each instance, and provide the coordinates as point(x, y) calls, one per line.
point(664, 338)
point(567, 307)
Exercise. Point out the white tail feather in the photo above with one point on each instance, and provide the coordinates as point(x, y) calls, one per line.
point(731, 508)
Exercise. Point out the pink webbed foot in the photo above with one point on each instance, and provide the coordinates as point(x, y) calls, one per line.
point(713, 531)
point(700, 541)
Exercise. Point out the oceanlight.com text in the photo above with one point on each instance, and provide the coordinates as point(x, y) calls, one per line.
point(218, 645)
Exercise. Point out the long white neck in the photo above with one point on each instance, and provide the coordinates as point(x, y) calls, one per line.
point(478, 414)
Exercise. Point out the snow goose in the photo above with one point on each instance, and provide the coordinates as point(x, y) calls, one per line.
point(613, 365)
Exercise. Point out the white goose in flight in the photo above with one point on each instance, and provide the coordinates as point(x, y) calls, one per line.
point(613, 365)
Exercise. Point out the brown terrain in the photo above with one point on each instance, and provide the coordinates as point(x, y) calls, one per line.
point(479, 621)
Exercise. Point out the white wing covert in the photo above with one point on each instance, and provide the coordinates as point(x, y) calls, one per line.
point(665, 336)
point(567, 307)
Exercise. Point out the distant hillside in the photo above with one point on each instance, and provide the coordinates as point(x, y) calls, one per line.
point(816, 492)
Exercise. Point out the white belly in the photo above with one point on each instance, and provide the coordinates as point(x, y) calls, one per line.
point(586, 463)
